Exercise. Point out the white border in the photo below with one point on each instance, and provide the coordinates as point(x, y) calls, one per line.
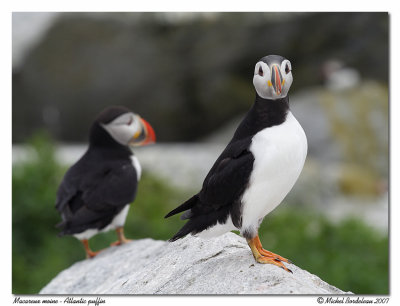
point(208, 5)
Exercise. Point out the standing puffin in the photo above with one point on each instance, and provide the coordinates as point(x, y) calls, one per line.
point(256, 170)
point(95, 193)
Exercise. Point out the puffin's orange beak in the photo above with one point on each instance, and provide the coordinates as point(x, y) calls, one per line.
point(276, 79)
point(149, 132)
point(145, 136)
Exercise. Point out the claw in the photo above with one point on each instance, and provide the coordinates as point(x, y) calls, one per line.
point(287, 269)
point(264, 252)
point(263, 256)
point(269, 260)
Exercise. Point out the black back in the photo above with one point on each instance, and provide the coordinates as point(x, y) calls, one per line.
point(100, 184)
point(228, 178)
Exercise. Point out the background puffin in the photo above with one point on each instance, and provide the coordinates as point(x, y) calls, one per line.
point(256, 170)
point(95, 193)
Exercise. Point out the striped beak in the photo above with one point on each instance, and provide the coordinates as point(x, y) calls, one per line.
point(145, 136)
point(276, 79)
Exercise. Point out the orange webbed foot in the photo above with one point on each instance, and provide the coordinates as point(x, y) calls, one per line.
point(266, 257)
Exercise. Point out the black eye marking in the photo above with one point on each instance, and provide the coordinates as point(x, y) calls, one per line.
point(260, 71)
point(287, 70)
point(130, 121)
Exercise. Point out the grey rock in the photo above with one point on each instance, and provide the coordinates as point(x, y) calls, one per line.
point(222, 265)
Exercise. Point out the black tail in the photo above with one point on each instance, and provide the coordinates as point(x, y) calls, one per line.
point(199, 222)
point(185, 206)
point(186, 229)
point(61, 226)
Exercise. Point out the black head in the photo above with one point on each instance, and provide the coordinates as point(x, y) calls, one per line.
point(112, 112)
point(272, 59)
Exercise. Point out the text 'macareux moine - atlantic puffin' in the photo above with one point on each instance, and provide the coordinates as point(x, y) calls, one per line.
point(256, 170)
point(95, 193)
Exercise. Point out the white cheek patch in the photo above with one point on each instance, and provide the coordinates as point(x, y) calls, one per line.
point(262, 83)
point(288, 77)
point(136, 126)
point(288, 82)
point(120, 130)
point(121, 133)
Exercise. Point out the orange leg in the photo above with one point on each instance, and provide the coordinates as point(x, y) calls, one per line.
point(264, 256)
point(268, 253)
point(89, 252)
point(121, 237)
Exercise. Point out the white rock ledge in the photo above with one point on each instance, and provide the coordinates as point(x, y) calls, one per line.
point(223, 265)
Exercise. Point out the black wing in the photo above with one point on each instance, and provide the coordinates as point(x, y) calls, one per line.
point(221, 192)
point(91, 195)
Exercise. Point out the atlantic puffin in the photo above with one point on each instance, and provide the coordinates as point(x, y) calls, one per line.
point(256, 170)
point(95, 193)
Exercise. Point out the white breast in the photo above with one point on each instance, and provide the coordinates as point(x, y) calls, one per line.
point(279, 155)
point(136, 165)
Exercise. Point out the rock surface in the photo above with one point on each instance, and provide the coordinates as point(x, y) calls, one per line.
point(222, 265)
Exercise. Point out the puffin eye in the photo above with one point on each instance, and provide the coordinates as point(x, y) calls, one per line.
point(260, 71)
point(130, 121)
point(287, 70)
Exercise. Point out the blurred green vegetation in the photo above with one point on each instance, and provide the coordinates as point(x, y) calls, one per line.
point(38, 253)
point(354, 116)
point(348, 255)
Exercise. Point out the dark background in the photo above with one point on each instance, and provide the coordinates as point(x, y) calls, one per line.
point(188, 76)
